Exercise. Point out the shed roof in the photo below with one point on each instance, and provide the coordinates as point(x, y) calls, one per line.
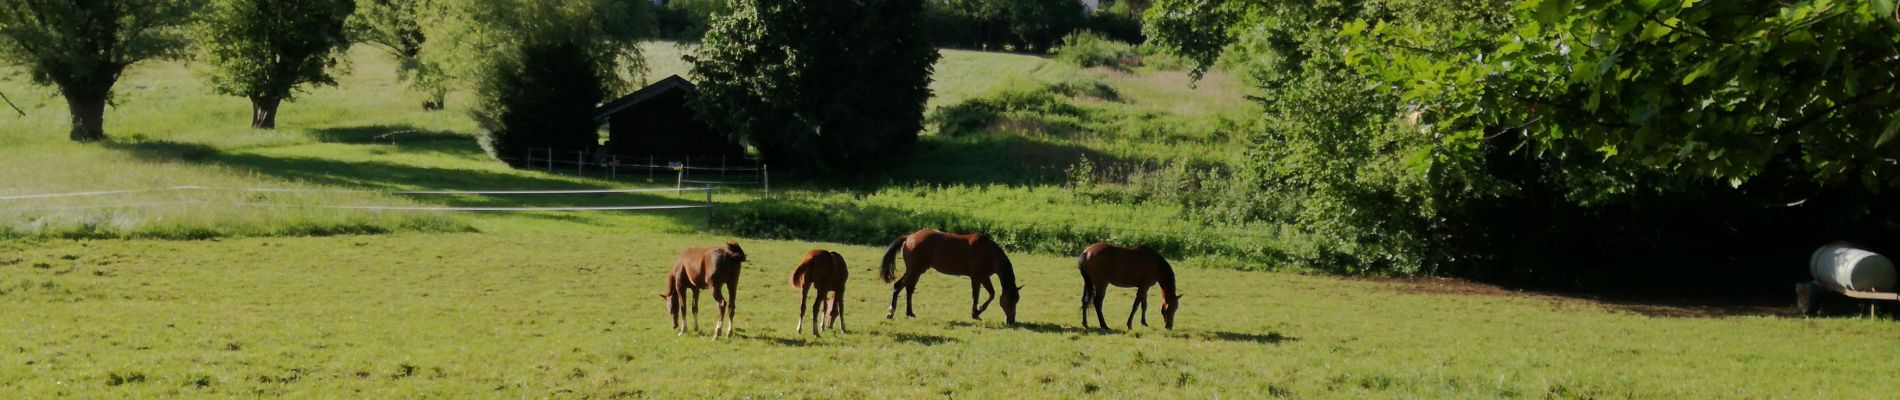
point(671, 83)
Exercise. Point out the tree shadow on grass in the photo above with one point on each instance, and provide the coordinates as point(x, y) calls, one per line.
point(378, 175)
point(794, 341)
point(920, 339)
point(404, 138)
point(1260, 338)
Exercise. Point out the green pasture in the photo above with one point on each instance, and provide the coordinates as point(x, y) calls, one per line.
point(576, 314)
point(218, 293)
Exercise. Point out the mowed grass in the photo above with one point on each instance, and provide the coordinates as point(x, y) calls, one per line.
point(577, 315)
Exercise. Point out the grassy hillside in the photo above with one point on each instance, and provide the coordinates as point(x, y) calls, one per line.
point(369, 133)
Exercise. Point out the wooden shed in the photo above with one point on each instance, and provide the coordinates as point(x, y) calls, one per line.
point(656, 122)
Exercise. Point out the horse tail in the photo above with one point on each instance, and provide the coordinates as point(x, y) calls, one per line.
point(797, 271)
point(887, 270)
point(1082, 265)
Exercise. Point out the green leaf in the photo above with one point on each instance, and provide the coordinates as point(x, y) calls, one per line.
point(1353, 28)
point(1893, 129)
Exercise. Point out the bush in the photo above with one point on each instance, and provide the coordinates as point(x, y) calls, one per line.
point(1040, 106)
point(1089, 49)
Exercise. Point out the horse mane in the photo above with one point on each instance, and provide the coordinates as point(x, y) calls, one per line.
point(1166, 278)
point(1005, 270)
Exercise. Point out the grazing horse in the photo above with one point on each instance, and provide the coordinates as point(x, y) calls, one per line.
point(972, 255)
point(1104, 264)
point(702, 268)
point(825, 271)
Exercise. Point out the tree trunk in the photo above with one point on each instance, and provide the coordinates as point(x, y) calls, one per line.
point(264, 112)
point(435, 102)
point(88, 108)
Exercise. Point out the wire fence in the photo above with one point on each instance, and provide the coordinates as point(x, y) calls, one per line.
point(681, 172)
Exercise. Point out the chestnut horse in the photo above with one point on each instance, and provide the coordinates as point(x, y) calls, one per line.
point(972, 255)
point(825, 271)
point(1104, 264)
point(701, 268)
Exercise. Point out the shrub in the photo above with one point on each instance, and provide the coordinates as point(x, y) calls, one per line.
point(1090, 49)
point(1041, 106)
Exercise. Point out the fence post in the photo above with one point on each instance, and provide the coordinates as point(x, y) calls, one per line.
point(580, 162)
point(765, 175)
point(527, 162)
point(709, 207)
point(722, 168)
point(649, 169)
point(550, 159)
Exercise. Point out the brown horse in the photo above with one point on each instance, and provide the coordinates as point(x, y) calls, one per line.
point(701, 268)
point(825, 271)
point(973, 255)
point(1104, 264)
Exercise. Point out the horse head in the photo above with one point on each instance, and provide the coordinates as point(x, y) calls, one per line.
point(1169, 304)
point(1010, 296)
point(732, 250)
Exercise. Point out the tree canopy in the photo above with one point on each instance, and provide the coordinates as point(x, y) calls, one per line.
point(539, 68)
point(266, 50)
point(395, 26)
point(1556, 141)
point(820, 84)
point(83, 47)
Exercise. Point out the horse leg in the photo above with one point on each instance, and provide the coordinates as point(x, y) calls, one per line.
point(897, 288)
point(719, 321)
point(910, 294)
point(837, 310)
point(802, 292)
point(986, 301)
point(976, 313)
point(695, 309)
point(732, 306)
point(817, 324)
point(1085, 294)
point(1144, 306)
point(1099, 291)
point(1140, 293)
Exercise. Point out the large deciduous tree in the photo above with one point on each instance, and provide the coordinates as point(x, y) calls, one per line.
point(538, 68)
point(824, 83)
point(83, 47)
point(395, 26)
point(267, 50)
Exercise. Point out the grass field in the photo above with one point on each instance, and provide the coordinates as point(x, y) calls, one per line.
point(576, 315)
point(234, 294)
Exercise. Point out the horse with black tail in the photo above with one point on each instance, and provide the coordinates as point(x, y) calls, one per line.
point(971, 255)
point(1104, 264)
